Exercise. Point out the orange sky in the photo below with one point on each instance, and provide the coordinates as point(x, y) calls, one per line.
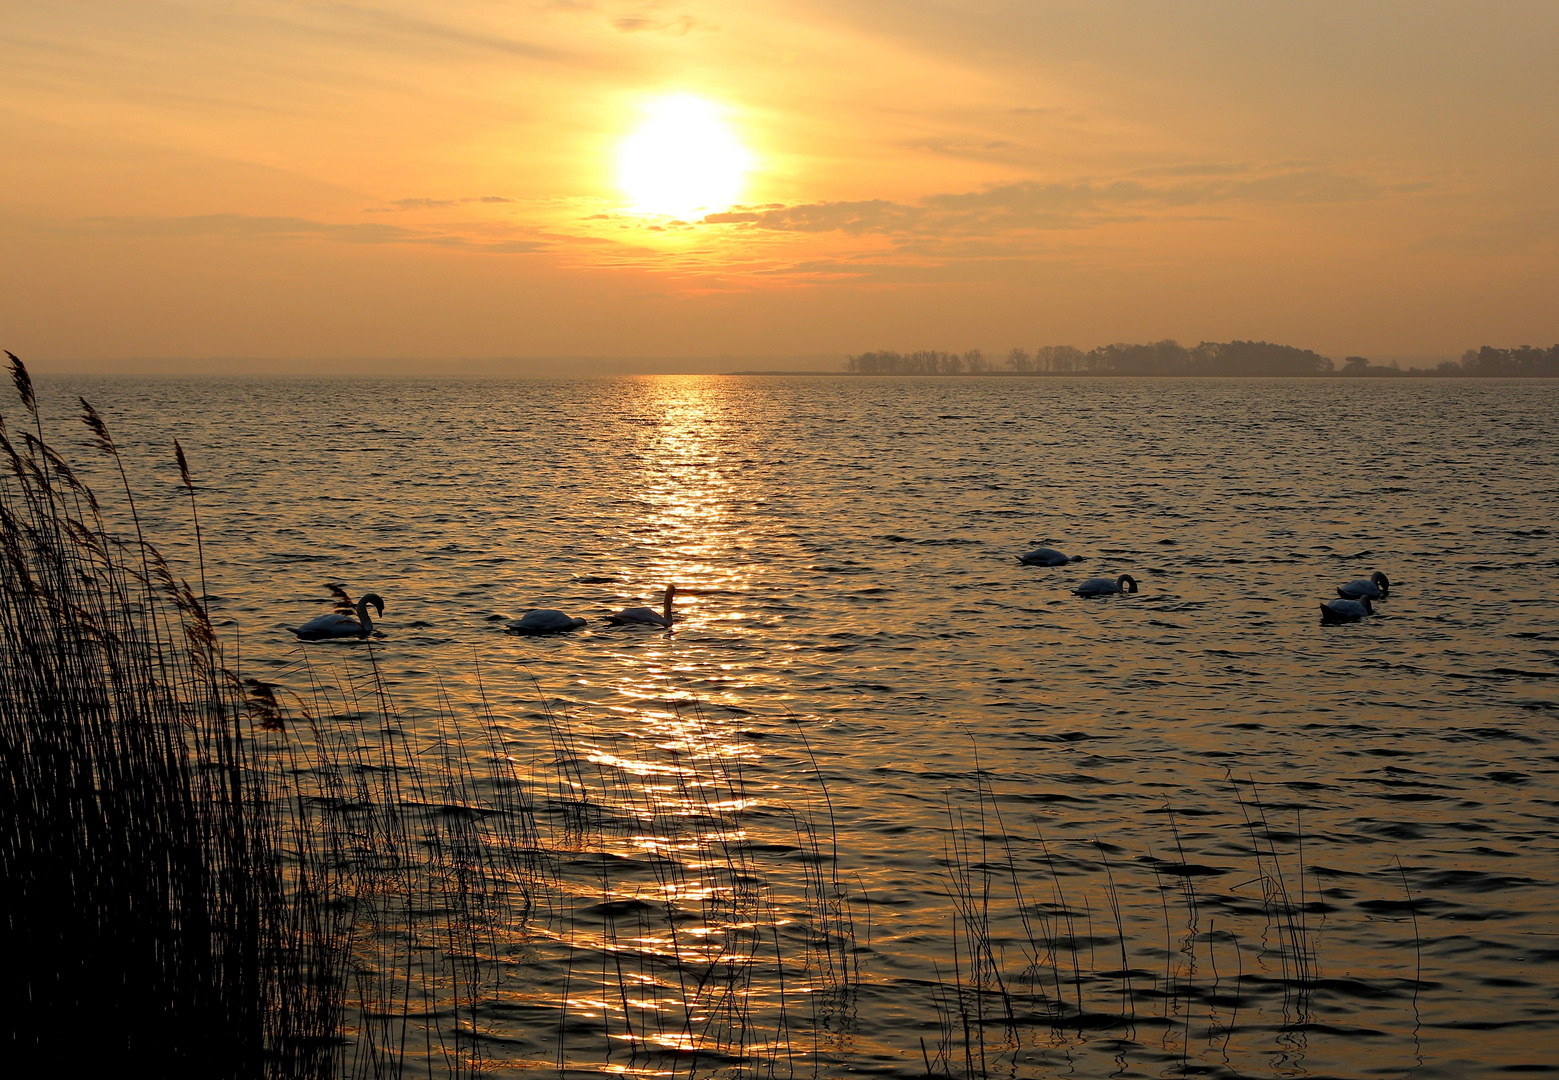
point(277, 178)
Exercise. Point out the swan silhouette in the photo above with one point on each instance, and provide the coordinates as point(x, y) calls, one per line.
point(338, 624)
point(545, 621)
point(1103, 586)
point(1045, 556)
point(1376, 587)
point(643, 616)
point(1336, 611)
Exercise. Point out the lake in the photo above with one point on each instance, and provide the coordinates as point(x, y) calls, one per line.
point(997, 827)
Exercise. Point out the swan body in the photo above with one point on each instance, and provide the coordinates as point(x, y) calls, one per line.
point(545, 621)
point(643, 616)
point(1103, 586)
point(1376, 587)
point(1335, 611)
point(1045, 556)
point(341, 625)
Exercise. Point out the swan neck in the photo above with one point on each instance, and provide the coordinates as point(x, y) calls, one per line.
point(362, 617)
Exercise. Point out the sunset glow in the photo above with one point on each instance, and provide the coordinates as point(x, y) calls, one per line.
point(812, 181)
point(682, 159)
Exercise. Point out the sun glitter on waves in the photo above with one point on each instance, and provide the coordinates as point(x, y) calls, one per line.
point(683, 159)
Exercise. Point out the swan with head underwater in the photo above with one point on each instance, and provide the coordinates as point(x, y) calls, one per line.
point(1103, 586)
point(338, 624)
point(545, 621)
point(1377, 586)
point(1047, 556)
point(1340, 611)
point(643, 616)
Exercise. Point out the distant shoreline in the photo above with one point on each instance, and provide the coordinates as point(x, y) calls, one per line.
point(1215, 359)
point(1393, 373)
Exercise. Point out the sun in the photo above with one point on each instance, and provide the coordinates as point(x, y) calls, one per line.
point(682, 159)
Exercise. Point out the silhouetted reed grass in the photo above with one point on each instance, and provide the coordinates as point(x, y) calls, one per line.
point(1019, 967)
point(144, 885)
point(194, 870)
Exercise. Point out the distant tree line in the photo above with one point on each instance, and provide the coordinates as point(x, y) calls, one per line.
point(1209, 358)
point(925, 362)
point(1521, 362)
point(1157, 358)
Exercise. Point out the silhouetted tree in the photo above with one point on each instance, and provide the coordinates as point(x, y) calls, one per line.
point(1159, 358)
point(1018, 360)
point(1256, 358)
point(1059, 359)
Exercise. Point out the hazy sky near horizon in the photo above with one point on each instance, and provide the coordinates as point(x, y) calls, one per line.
point(406, 178)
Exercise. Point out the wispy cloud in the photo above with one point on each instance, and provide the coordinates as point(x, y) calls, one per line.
point(1030, 206)
point(437, 204)
point(418, 34)
point(677, 27)
point(278, 227)
point(973, 149)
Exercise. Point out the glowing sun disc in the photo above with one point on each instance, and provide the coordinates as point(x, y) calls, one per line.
point(683, 158)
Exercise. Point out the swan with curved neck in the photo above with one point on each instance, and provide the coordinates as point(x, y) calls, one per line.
point(338, 624)
point(1047, 556)
point(1103, 586)
point(643, 616)
point(1377, 586)
point(1337, 611)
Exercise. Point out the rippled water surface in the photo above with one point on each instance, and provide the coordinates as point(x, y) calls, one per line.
point(1118, 793)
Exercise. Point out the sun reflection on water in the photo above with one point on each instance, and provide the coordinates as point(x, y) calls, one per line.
point(686, 535)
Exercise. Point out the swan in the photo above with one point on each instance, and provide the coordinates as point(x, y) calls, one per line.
point(643, 616)
point(338, 624)
point(1103, 586)
point(1335, 611)
point(545, 621)
point(1376, 587)
point(1047, 557)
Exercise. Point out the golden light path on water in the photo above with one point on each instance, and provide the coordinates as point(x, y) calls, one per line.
point(675, 761)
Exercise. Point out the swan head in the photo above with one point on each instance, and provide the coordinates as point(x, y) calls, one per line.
point(1127, 583)
point(1380, 579)
point(374, 599)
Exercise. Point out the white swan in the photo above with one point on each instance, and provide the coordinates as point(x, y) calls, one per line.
point(1335, 611)
point(1047, 557)
point(1376, 587)
point(643, 616)
point(1103, 586)
point(545, 621)
point(341, 625)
